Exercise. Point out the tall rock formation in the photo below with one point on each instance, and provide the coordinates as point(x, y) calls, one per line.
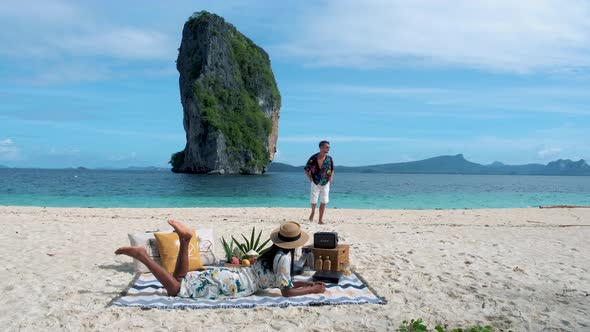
point(230, 99)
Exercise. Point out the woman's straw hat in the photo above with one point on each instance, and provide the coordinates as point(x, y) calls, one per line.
point(289, 236)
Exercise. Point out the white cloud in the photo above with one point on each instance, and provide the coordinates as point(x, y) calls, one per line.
point(161, 136)
point(381, 90)
point(41, 29)
point(46, 11)
point(60, 41)
point(507, 101)
point(123, 157)
point(9, 150)
point(549, 153)
point(65, 72)
point(64, 152)
point(501, 35)
point(342, 139)
point(277, 155)
point(119, 42)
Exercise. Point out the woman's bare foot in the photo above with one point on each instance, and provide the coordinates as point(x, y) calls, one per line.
point(311, 216)
point(321, 222)
point(131, 251)
point(183, 232)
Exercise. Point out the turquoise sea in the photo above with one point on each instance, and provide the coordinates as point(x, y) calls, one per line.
point(102, 188)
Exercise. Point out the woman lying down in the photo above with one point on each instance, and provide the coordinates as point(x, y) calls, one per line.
point(271, 270)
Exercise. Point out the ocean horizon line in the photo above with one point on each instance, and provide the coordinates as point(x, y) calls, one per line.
point(442, 164)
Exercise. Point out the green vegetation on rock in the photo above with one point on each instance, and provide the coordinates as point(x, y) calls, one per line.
point(254, 66)
point(177, 159)
point(244, 125)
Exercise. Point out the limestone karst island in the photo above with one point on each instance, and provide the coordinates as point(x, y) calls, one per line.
point(230, 100)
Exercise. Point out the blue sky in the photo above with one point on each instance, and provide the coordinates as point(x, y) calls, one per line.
point(95, 84)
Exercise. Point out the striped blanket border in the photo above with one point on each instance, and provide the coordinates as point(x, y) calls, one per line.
point(146, 292)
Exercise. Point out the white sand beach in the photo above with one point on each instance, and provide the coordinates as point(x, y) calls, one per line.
point(518, 269)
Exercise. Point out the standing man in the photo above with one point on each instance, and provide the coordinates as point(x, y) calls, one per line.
point(320, 171)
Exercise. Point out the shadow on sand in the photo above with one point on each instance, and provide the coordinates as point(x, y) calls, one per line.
point(123, 267)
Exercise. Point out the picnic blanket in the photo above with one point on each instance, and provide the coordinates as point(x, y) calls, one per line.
point(147, 292)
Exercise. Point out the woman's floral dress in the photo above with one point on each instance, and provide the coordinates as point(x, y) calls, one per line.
point(222, 283)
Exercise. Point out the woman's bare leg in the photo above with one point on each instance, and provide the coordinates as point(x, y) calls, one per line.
point(168, 281)
point(184, 236)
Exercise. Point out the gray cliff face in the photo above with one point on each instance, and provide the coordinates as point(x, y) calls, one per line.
point(230, 100)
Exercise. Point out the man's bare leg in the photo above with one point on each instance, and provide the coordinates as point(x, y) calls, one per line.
point(312, 212)
point(322, 208)
point(164, 277)
point(184, 236)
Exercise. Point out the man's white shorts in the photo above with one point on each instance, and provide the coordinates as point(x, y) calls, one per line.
point(321, 192)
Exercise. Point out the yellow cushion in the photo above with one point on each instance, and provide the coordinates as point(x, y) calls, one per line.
point(168, 245)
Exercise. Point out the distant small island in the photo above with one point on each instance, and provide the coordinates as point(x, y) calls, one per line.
point(136, 168)
point(457, 164)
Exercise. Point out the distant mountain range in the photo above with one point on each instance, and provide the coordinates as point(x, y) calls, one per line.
point(457, 165)
point(438, 165)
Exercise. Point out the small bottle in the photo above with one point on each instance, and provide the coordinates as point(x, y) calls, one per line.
point(309, 260)
point(297, 254)
point(319, 264)
point(327, 264)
